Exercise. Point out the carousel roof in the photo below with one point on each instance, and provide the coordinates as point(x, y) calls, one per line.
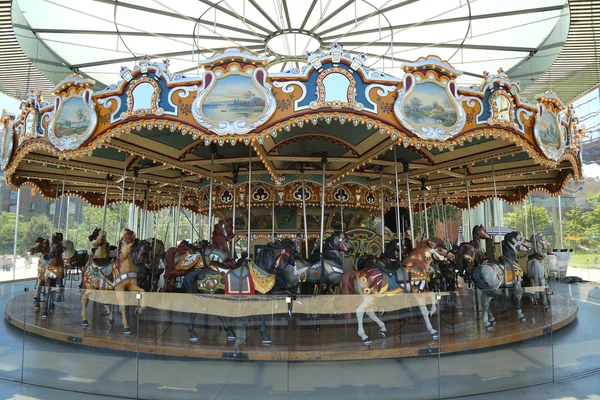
point(97, 37)
point(163, 128)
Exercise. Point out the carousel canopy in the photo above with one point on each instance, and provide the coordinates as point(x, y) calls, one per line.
point(360, 127)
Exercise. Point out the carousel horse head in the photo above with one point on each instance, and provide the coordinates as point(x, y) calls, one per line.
point(541, 244)
point(94, 234)
point(516, 241)
point(285, 257)
point(427, 251)
point(224, 228)
point(391, 250)
point(142, 252)
point(69, 248)
point(341, 243)
point(479, 232)
point(128, 236)
point(57, 238)
point(41, 246)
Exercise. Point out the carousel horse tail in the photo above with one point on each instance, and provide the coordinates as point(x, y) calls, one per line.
point(482, 284)
point(347, 282)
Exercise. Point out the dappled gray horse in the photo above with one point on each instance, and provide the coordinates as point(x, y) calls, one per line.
point(491, 275)
point(537, 266)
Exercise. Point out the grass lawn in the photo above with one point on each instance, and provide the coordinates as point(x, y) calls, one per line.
point(583, 260)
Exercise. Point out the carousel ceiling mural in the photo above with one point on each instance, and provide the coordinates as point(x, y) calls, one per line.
point(333, 120)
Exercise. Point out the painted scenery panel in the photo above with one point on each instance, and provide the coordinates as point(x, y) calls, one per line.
point(549, 134)
point(429, 104)
point(73, 119)
point(286, 217)
point(234, 97)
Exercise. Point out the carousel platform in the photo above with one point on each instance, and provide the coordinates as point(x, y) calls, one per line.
point(300, 337)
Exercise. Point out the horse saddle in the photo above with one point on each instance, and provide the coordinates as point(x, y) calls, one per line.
point(239, 281)
point(187, 260)
point(263, 281)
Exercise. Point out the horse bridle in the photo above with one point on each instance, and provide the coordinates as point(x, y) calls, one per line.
point(341, 243)
point(282, 253)
point(438, 255)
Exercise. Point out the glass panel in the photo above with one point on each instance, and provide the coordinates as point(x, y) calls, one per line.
point(14, 305)
point(99, 358)
point(576, 349)
point(328, 357)
point(511, 354)
point(211, 361)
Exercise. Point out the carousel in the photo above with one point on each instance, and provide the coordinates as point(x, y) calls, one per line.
point(285, 174)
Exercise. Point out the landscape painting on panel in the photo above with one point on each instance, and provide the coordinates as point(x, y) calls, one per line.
point(73, 118)
point(233, 98)
point(549, 132)
point(429, 104)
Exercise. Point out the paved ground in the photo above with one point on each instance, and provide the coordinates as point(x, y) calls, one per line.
point(570, 351)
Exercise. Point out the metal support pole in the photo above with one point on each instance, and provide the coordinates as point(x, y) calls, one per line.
point(122, 200)
point(132, 213)
point(213, 150)
point(235, 179)
point(233, 219)
point(424, 191)
point(532, 221)
point(105, 203)
point(494, 211)
point(382, 211)
point(55, 209)
point(249, 196)
point(562, 245)
point(273, 219)
point(342, 215)
point(410, 210)
point(62, 201)
point(397, 205)
point(445, 223)
point(178, 211)
point(17, 233)
point(304, 214)
point(145, 214)
point(467, 184)
point(322, 275)
point(67, 218)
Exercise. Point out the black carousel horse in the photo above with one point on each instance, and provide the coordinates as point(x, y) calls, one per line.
point(334, 248)
point(250, 277)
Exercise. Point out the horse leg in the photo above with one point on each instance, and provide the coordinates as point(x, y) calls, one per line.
point(360, 312)
point(84, 302)
point(425, 314)
point(120, 293)
point(230, 332)
point(519, 294)
point(48, 291)
point(486, 300)
point(544, 294)
point(191, 331)
point(264, 336)
point(36, 298)
point(61, 291)
point(382, 328)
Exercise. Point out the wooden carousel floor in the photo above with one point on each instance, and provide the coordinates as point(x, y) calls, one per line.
point(296, 338)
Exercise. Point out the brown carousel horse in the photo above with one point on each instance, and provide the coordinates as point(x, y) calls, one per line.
point(119, 276)
point(148, 260)
point(186, 257)
point(41, 246)
point(378, 279)
point(471, 253)
point(53, 274)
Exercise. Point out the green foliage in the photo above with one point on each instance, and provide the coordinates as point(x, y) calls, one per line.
point(432, 216)
point(581, 228)
point(515, 219)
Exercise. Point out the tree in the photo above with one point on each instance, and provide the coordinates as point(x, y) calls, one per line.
point(7, 234)
point(415, 104)
point(515, 219)
point(38, 225)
